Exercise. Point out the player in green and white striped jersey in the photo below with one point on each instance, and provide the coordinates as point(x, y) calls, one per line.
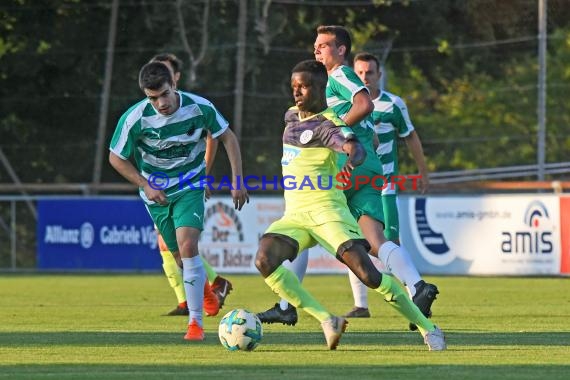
point(166, 135)
point(332, 47)
point(391, 120)
point(217, 287)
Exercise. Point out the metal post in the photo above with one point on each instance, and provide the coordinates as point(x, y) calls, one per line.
point(13, 234)
point(385, 52)
point(541, 107)
point(240, 68)
point(104, 109)
point(384, 78)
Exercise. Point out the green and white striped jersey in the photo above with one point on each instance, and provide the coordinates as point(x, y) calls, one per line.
point(342, 85)
point(170, 146)
point(391, 120)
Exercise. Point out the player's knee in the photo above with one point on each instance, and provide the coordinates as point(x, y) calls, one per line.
point(263, 263)
point(266, 262)
point(187, 248)
point(271, 253)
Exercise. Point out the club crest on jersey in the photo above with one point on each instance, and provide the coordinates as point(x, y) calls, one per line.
point(306, 137)
point(289, 153)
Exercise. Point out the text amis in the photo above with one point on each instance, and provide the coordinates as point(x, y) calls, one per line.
point(526, 242)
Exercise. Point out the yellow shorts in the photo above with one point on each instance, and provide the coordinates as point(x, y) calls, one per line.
point(328, 227)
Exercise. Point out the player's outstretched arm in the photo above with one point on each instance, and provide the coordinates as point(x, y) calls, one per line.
point(239, 193)
point(415, 145)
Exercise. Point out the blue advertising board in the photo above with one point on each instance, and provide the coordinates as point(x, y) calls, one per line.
point(96, 234)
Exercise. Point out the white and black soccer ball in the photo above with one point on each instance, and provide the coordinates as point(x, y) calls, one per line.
point(241, 330)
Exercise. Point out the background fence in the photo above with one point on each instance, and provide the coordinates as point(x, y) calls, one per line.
point(470, 72)
point(480, 78)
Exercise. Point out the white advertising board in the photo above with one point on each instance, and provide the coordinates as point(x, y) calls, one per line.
point(458, 235)
point(485, 235)
point(230, 237)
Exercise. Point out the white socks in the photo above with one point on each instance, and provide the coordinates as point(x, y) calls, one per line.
point(359, 291)
point(299, 267)
point(194, 277)
point(397, 260)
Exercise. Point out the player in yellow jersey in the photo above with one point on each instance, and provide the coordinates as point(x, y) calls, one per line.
point(350, 99)
point(316, 211)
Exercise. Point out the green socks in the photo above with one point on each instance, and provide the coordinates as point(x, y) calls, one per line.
point(399, 300)
point(287, 286)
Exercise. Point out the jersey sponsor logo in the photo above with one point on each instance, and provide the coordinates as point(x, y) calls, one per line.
point(289, 153)
point(306, 136)
point(194, 127)
point(174, 151)
point(534, 237)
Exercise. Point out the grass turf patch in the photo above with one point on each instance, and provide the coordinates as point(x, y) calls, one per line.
point(110, 326)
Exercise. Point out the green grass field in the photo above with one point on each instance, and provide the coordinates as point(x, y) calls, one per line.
point(110, 326)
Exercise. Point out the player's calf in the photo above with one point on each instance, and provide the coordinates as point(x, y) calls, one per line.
point(357, 260)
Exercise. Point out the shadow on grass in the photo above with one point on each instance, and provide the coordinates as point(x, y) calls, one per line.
point(390, 338)
point(265, 371)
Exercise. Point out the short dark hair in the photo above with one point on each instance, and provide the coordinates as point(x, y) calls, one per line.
point(174, 61)
point(154, 75)
point(367, 57)
point(317, 70)
point(340, 33)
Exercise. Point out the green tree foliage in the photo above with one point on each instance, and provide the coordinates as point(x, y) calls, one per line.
point(467, 70)
point(479, 118)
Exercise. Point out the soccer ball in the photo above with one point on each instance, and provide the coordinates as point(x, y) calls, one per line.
point(240, 330)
